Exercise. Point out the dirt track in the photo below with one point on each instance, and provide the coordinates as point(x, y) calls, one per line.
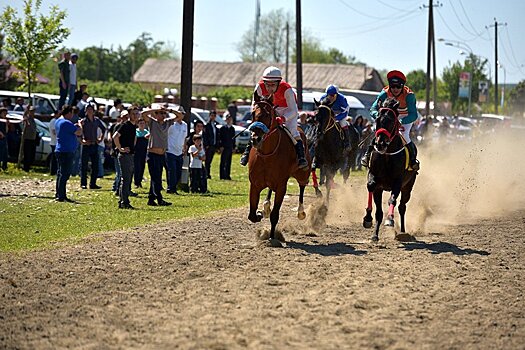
point(208, 284)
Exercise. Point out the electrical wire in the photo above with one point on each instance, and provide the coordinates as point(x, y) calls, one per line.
point(480, 34)
point(450, 29)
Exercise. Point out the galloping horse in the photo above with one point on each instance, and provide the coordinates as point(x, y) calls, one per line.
point(272, 162)
point(329, 148)
point(388, 170)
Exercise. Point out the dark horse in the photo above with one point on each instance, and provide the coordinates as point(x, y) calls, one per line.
point(272, 162)
point(328, 146)
point(388, 170)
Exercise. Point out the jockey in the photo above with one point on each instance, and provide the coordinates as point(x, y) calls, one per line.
point(407, 113)
point(285, 103)
point(339, 106)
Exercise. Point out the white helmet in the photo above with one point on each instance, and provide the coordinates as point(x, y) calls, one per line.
point(272, 74)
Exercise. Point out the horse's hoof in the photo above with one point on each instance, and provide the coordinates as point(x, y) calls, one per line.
point(367, 224)
point(259, 216)
point(374, 238)
point(405, 237)
point(275, 243)
point(389, 223)
point(318, 193)
point(301, 215)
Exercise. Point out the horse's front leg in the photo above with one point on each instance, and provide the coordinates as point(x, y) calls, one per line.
point(392, 201)
point(371, 185)
point(378, 198)
point(267, 204)
point(254, 215)
point(301, 215)
point(274, 215)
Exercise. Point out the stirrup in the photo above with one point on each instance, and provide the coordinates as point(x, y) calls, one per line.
point(244, 159)
point(302, 163)
point(414, 166)
point(364, 161)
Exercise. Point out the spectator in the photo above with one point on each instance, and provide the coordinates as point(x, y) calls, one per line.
point(124, 138)
point(114, 112)
point(8, 104)
point(158, 126)
point(3, 137)
point(67, 141)
point(227, 143)
point(141, 148)
point(78, 153)
point(359, 124)
point(101, 148)
point(78, 94)
point(210, 139)
point(72, 78)
point(120, 119)
point(199, 127)
point(90, 140)
point(197, 174)
point(52, 144)
point(63, 84)
point(176, 149)
point(81, 105)
point(30, 138)
point(19, 106)
point(233, 110)
point(14, 135)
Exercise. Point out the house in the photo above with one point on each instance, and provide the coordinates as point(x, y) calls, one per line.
point(161, 73)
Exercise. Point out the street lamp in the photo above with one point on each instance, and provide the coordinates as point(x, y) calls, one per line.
point(503, 88)
point(464, 46)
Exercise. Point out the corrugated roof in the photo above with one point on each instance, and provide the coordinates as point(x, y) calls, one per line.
point(315, 76)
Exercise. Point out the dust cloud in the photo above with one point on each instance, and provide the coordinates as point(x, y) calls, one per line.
point(459, 182)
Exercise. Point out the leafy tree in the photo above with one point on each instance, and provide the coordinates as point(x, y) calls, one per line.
point(31, 39)
point(516, 100)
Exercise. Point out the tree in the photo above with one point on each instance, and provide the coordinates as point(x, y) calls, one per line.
point(30, 40)
point(516, 100)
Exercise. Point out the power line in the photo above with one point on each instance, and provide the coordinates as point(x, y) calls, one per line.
point(450, 29)
point(365, 14)
point(468, 19)
point(517, 65)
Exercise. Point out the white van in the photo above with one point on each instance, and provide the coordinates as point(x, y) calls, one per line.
point(356, 107)
point(45, 104)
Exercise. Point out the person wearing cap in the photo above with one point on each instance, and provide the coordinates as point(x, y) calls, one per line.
point(176, 149)
point(158, 123)
point(285, 103)
point(72, 78)
point(339, 105)
point(90, 139)
point(407, 113)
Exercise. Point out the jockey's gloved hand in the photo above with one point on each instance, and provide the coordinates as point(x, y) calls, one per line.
point(280, 120)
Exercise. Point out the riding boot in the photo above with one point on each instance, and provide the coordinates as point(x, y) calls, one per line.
point(412, 153)
point(346, 141)
point(299, 149)
point(366, 157)
point(246, 155)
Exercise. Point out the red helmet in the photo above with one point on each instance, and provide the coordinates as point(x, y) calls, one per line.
point(395, 76)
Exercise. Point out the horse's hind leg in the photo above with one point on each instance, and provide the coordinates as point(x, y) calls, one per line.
point(396, 189)
point(371, 186)
point(274, 215)
point(301, 215)
point(267, 204)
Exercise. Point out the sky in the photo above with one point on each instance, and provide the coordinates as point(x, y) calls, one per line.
point(384, 34)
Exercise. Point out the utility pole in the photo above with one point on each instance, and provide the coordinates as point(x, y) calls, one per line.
point(431, 56)
point(187, 59)
point(495, 25)
point(299, 49)
point(287, 50)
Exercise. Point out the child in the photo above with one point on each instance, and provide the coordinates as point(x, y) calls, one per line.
point(197, 156)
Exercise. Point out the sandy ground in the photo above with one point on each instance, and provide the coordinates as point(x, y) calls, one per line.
point(210, 284)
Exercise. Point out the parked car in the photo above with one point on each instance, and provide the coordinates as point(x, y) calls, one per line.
point(45, 104)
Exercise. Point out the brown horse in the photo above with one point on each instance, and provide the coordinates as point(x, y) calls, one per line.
point(389, 170)
point(272, 162)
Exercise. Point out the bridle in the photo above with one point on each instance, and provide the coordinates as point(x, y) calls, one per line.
point(269, 110)
point(390, 134)
point(331, 123)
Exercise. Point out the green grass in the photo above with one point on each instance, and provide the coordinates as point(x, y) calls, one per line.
point(29, 223)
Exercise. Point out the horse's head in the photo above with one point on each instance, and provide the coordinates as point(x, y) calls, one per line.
point(387, 123)
point(262, 119)
point(323, 113)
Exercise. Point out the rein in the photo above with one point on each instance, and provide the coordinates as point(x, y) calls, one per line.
point(268, 134)
point(331, 122)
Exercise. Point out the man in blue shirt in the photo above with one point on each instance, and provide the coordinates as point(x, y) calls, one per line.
point(67, 133)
